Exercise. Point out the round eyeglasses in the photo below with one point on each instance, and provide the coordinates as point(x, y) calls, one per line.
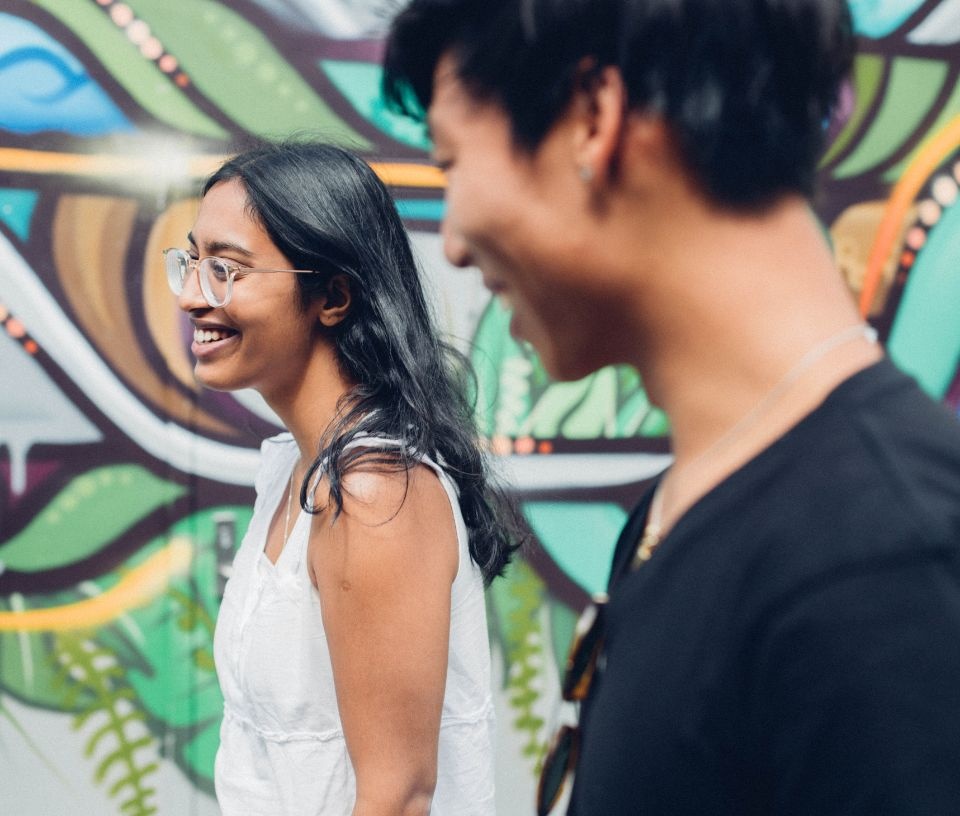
point(215, 274)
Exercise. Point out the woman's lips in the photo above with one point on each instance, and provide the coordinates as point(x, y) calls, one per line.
point(207, 340)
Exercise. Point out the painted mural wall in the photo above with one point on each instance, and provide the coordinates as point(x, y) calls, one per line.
point(124, 488)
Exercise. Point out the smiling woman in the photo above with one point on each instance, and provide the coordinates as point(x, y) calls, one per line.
point(351, 646)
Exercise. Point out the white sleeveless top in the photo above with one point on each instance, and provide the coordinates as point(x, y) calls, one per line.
point(282, 750)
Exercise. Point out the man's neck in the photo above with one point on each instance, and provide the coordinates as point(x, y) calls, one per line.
point(730, 313)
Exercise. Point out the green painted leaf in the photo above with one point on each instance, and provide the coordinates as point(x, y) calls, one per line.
point(198, 747)
point(655, 424)
point(596, 414)
point(912, 88)
point(550, 413)
point(503, 370)
point(866, 77)
point(949, 111)
point(92, 510)
point(175, 686)
point(235, 66)
point(517, 398)
point(140, 77)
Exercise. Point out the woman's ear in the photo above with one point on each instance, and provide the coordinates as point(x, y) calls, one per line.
point(334, 305)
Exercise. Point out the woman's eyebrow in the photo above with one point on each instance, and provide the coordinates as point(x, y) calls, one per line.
point(216, 247)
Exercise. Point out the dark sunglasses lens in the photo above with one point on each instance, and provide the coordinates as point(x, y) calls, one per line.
point(584, 652)
point(558, 764)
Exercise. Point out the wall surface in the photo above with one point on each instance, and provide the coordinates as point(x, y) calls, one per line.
point(124, 488)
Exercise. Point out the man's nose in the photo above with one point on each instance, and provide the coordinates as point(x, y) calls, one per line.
point(454, 247)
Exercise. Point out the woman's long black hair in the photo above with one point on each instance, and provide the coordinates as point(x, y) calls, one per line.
point(324, 208)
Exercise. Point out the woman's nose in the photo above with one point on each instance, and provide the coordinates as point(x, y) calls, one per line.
point(191, 297)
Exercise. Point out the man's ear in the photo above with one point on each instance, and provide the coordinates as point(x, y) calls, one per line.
point(600, 111)
point(334, 305)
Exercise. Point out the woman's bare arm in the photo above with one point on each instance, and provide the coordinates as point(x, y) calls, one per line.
point(384, 571)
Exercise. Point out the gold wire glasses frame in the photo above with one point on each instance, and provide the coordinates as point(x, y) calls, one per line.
point(581, 667)
point(216, 275)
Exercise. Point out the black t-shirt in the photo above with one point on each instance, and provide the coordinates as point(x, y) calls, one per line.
point(793, 646)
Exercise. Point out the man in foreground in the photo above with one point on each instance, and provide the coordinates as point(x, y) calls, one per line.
point(634, 179)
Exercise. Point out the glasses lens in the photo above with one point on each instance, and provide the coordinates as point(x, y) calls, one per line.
point(585, 650)
point(557, 765)
point(216, 281)
point(177, 264)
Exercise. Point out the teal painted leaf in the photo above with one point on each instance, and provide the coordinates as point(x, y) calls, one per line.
point(878, 18)
point(580, 537)
point(925, 339)
point(16, 210)
point(359, 82)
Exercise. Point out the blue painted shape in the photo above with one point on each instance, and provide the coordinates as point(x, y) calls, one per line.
point(44, 87)
point(16, 210)
point(420, 209)
point(925, 339)
point(579, 536)
point(878, 18)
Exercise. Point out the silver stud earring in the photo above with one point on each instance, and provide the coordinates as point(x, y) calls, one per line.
point(586, 172)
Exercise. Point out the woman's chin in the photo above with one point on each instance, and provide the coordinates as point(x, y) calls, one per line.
point(211, 381)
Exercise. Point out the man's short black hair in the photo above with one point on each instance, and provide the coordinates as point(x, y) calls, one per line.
point(747, 87)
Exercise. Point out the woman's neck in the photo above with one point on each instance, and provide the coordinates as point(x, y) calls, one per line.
point(313, 404)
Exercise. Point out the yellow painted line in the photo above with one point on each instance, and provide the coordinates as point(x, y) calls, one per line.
point(138, 587)
point(44, 162)
point(409, 175)
point(167, 164)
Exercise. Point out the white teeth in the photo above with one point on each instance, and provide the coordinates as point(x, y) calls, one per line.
point(209, 335)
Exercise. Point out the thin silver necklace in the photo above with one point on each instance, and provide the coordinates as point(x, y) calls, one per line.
point(653, 530)
point(286, 521)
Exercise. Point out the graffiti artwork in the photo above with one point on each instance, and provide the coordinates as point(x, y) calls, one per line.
point(126, 488)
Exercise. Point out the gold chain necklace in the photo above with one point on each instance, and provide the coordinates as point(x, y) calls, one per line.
point(653, 530)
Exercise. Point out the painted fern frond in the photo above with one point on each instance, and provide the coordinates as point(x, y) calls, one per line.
point(192, 616)
point(109, 709)
point(525, 656)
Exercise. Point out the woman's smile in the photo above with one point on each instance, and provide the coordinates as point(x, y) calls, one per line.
point(208, 340)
